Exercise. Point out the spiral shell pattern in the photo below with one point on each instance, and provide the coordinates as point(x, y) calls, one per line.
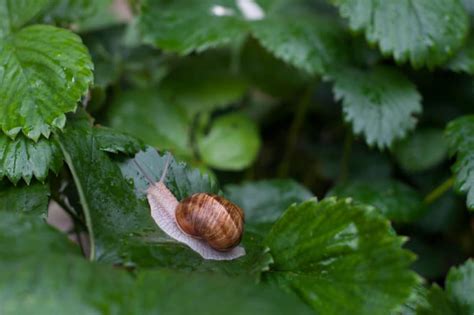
point(212, 218)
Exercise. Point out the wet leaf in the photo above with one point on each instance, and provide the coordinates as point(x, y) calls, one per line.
point(44, 71)
point(340, 257)
point(23, 158)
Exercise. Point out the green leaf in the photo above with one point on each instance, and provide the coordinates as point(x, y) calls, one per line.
point(147, 116)
point(109, 204)
point(459, 133)
point(424, 32)
point(23, 158)
point(37, 262)
point(183, 26)
point(463, 61)
point(232, 143)
point(114, 141)
point(32, 199)
point(308, 42)
point(270, 74)
point(311, 43)
point(210, 294)
point(264, 201)
point(44, 71)
point(82, 15)
point(340, 257)
point(203, 83)
point(438, 304)
point(416, 301)
point(460, 286)
point(469, 6)
point(395, 200)
point(15, 13)
point(421, 151)
point(182, 180)
point(380, 104)
point(458, 298)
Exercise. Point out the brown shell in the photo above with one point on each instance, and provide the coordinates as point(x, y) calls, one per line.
point(213, 218)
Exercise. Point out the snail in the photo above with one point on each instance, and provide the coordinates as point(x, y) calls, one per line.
point(209, 224)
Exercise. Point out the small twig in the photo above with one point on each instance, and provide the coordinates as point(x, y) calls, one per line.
point(439, 191)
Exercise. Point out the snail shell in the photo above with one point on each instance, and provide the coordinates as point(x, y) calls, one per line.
point(212, 218)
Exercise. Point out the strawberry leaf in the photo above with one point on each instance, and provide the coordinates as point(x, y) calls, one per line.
point(380, 104)
point(44, 71)
point(459, 133)
point(23, 158)
point(424, 32)
point(340, 257)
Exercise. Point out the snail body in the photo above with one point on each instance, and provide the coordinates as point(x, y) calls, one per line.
point(210, 225)
point(212, 218)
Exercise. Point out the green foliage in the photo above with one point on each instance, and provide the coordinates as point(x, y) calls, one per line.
point(421, 151)
point(81, 15)
point(174, 18)
point(395, 200)
point(99, 289)
point(282, 102)
point(311, 43)
point(270, 74)
point(459, 133)
point(460, 284)
point(464, 59)
point(23, 158)
point(14, 14)
point(204, 83)
point(111, 209)
point(147, 116)
point(31, 199)
point(334, 239)
point(112, 141)
point(265, 201)
point(380, 104)
point(232, 143)
point(457, 299)
point(45, 71)
point(424, 32)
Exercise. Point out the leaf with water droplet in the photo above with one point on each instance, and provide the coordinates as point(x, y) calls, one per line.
point(38, 85)
point(22, 158)
point(340, 257)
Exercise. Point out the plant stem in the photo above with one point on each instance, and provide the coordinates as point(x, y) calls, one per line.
point(346, 155)
point(439, 191)
point(82, 198)
point(293, 134)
